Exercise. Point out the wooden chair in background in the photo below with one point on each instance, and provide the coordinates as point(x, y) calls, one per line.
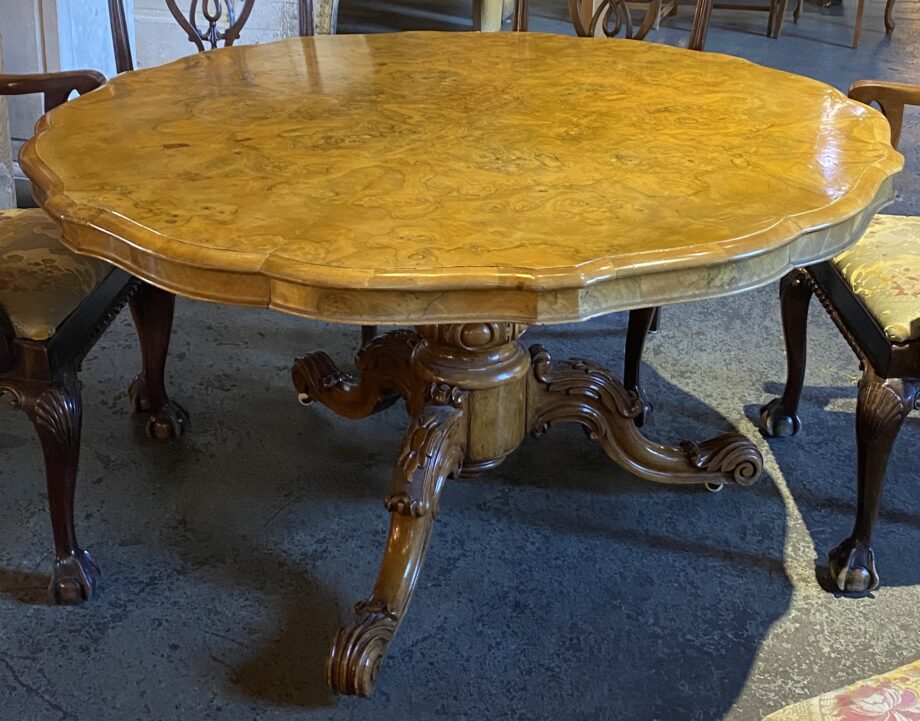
point(857, 28)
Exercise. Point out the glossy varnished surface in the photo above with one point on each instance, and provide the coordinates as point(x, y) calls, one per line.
point(426, 177)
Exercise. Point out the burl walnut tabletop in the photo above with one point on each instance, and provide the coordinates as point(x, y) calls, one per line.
point(468, 185)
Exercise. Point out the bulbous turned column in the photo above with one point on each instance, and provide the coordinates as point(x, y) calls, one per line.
point(488, 362)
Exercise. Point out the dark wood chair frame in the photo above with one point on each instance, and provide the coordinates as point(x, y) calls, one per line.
point(890, 385)
point(40, 377)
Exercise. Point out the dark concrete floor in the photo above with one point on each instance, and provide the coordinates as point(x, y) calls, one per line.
point(557, 587)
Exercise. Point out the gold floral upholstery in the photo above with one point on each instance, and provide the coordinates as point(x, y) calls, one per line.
point(883, 269)
point(893, 696)
point(41, 282)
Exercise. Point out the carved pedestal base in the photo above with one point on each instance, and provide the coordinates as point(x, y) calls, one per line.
point(473, 392)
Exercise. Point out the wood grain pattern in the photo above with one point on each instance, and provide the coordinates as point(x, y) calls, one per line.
point(451, 177)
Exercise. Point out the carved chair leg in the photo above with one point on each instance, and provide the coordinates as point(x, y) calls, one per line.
point(797, 13)
point(56, 412)
point(881, 409)
point(432, 450)
point(640, 323)
point(889, 21)
point(779, 418)
point(152, 310)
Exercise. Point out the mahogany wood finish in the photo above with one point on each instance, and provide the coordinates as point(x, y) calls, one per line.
point(473, 392)
point(41, 376)
point(640, 325)
point(890, 385)
point(152, 310)
point(56, 87)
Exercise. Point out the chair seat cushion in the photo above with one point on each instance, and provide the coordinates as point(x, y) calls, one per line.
point(883, 269)
point(41, 282)
point(892, 696)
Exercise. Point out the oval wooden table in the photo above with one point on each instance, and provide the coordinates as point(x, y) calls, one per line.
point(467, 185)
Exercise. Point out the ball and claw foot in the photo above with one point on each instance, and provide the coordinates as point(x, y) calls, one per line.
point(776, 423)
point(165, 424)
point(852, 567)
point(74, 579)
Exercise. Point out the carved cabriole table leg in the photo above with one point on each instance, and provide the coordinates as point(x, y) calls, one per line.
point(473, 391)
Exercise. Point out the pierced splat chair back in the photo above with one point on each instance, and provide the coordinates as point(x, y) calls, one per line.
point(207, 23)
point(213, 12)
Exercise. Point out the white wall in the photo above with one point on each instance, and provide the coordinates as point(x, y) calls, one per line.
point(7, 189)
point(50, 35)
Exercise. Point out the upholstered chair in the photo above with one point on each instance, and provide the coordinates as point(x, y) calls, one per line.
point(54, 305)
point(872, 293)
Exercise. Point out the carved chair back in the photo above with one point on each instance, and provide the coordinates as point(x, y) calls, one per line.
point(222, 22)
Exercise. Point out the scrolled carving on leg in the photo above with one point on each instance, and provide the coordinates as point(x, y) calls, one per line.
point(413, 490)
point(578, 391)
point(729, 453)
point(359, 649)
point(384, 368)
point(881, 408)
point(433, 449)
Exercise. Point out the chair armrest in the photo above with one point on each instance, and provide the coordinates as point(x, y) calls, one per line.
point(56, 87)
point(891, 98)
